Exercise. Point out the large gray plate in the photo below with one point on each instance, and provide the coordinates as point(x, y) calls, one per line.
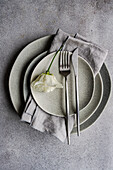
point(20, 65)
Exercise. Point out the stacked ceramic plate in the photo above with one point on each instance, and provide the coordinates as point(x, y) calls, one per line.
point(33, 60)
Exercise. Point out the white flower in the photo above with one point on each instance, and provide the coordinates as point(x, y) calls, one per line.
point(45, 83)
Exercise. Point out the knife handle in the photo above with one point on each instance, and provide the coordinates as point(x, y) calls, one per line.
point(77, 105)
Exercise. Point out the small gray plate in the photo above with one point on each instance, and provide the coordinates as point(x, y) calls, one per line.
point(54, 102)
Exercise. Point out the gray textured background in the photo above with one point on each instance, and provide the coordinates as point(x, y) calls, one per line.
point(21, 147)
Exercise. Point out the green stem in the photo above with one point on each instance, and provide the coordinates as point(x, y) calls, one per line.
point(54, 58)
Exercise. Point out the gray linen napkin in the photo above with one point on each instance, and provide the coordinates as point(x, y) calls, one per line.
point(43, 121)
point(90, 51)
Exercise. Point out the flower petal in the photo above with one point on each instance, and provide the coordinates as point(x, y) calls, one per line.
point(46, 83)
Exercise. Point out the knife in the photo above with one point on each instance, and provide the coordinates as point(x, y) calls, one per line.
point(75, 66)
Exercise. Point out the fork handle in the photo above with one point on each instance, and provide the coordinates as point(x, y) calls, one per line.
point(67, 109)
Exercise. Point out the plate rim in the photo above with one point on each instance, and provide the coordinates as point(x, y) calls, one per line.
point(26, 71)
point(85, 125)
point(17, 58)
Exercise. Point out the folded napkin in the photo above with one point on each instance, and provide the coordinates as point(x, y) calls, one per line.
point(43, 121)
point(91, 52)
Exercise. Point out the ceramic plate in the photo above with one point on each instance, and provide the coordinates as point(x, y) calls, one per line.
point(84, 113)
point(54, 102)
point(17, 75)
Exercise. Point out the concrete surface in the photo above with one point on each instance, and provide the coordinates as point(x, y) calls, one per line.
point(21, 147)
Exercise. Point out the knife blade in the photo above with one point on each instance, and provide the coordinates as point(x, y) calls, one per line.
point(75, 67)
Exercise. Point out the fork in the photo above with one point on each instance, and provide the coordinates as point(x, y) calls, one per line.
point(65, 70)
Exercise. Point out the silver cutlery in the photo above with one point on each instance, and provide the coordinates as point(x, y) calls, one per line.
point(75, 66)
point(65, 70)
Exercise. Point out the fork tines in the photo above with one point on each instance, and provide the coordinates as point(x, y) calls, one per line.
point(64, 61)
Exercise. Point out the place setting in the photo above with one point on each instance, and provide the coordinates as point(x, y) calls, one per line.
point(66, 84)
